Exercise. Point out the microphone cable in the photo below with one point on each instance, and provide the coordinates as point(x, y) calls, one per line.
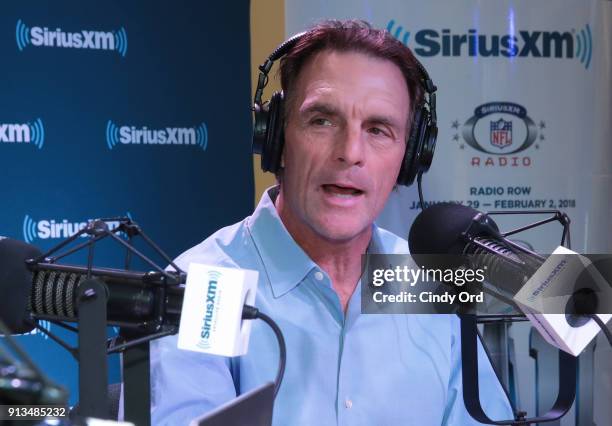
point(250, 312)
point(603, 327)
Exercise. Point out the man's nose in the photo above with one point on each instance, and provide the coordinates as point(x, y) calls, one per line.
point(349, 148)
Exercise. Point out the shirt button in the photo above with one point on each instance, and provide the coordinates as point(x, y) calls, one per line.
point(348, 403)
point(318, 275)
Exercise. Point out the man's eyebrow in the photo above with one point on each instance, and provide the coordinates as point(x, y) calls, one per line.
point(320, 107)
point(384, 120)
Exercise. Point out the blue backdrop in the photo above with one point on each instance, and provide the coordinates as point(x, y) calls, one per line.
point(114, 108)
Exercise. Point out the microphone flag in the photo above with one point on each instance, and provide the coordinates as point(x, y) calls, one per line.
point(211, 316)
point(554, 288)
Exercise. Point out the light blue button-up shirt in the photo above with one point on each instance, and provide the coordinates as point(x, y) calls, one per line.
point(342, 368)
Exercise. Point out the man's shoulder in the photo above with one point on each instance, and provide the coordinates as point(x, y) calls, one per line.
point(224, 247)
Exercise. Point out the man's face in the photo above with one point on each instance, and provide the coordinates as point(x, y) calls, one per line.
point(345, 138)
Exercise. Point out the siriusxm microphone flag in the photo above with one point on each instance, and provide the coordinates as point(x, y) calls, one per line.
point(211, 316)
point(121, 109)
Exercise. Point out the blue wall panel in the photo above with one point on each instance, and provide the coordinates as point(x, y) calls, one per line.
point(77, 126)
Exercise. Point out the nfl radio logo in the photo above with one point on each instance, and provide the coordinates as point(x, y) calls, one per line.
point(501, 133)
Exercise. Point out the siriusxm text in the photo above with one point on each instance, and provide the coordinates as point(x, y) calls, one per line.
point(15, 133)
point(210, 307)
point(537, 44)
point(99, 40)
point(548, 280)
point(167, 136)
point(64, 229)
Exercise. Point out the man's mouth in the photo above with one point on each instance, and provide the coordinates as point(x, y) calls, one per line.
point(342, 191)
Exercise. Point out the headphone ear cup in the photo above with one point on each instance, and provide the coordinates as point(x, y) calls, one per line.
point(428, 148)
point(259, 127)
point(409, 170)
point(272, 148)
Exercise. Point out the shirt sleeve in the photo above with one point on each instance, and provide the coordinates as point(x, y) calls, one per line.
point(186, 384)
point(493, 398)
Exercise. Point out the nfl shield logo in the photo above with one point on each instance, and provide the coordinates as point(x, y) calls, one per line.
point(501, 133)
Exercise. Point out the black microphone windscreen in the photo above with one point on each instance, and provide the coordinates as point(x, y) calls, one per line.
point(15, 283)
point(437, 229)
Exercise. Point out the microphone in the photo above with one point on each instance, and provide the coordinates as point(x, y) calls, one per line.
point(13, 295)
point(49, 291)
point(462, 232)
point(208, 310)
point(564, 283)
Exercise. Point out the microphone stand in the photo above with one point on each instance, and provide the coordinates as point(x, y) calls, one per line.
point(132, 342)
point(568, 364)
point(93, 369)
point(471, 394)
point(93, 346)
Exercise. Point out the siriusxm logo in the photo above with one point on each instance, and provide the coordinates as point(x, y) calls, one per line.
point(50, 228)
point(500, 128)
point(131, 135)
point(33, 133)
point(544, 284)
point(501, 133)
point(534, 44)
point(209, 316)
point(84, 39)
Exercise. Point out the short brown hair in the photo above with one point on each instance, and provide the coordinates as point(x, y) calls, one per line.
point(352, 36)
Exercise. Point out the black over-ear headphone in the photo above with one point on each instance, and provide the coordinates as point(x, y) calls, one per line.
point(268, 132)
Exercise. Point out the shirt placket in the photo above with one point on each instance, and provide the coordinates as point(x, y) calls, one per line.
point(348, 398)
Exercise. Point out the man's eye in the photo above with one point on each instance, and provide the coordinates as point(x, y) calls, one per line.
point(321, 121)
point(377, 131)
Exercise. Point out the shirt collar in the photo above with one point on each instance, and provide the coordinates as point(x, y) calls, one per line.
point(376, 245)
point(285, 263)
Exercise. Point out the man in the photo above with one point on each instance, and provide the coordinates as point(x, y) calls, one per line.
point(350, 92)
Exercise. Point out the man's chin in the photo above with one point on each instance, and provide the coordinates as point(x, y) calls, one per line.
point(341, 233)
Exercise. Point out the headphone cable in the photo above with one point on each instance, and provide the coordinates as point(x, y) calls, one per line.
point(420, 186)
